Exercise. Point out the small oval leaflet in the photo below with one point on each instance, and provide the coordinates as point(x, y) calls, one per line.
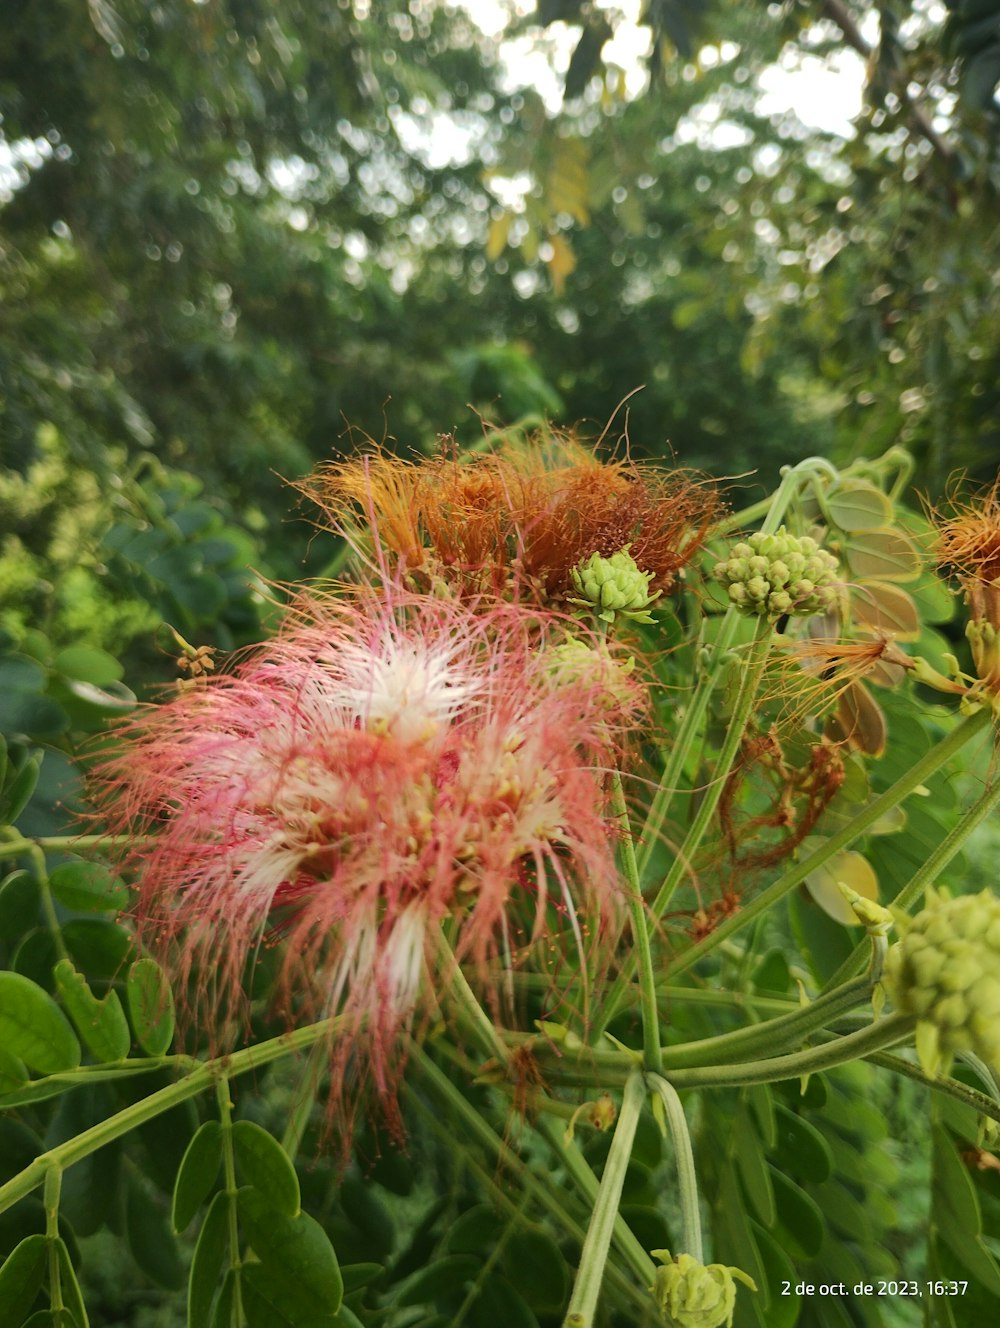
point(21, 1278)
point(101, 1023)
point(150, 1006)
point(196, 1174)
point(33, 1028)
point(263, 1163)
point(297, 1261)
point(88, 887)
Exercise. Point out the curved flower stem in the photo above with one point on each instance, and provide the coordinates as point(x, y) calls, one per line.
point(986, 1104)
point(475, 1016)
point(198, 1081)
point(694, 717)
point(928, 764)
point(753, 668)
point(928, 872)
point(640, 931)
point(773, 507)
point(875, 1037)
point(593, 1257)
point(687, 1183)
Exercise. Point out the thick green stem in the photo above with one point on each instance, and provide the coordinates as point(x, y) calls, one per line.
point(875, 1037)
point(48, 907)
point(774, 1034)
point(640, 931)
point(586, 1288)
point(687, 1182)
point(475, 1016)
point(199, 1081)
point(931, 762)
point(928, 872)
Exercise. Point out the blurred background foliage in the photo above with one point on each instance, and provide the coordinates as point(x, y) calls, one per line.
point(235, 236)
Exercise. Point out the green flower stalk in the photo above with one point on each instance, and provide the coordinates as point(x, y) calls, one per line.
point(614, 586)
point(946, 971)
point(693, 1295)
point(769, 575)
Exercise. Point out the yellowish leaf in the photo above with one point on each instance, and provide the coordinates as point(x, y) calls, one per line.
point(853, 870)
point(859, 720)
point(886, 555)
point(496, 239)
point(885, 608)
point(562, 262)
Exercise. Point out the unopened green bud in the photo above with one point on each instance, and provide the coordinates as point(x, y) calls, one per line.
point(773, 574)
point(693, 1295)
point(946, 971)
point(614, 586)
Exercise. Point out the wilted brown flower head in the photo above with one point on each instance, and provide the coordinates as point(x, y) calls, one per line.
point(968, 542)
point(516, 520)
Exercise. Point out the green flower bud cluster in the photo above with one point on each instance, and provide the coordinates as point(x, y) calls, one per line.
point(946, 971)
point(769, 575)
point(614, 586)
point(693, 1295)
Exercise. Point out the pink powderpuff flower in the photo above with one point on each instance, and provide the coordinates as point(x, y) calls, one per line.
point(389, 763)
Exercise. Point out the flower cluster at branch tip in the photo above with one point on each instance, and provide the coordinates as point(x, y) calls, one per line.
point(693, 1295)
point(771, 575)
point(388, 762)
point(614, 587)
point(969, 542)
point(515, 520)
point(946, 971)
